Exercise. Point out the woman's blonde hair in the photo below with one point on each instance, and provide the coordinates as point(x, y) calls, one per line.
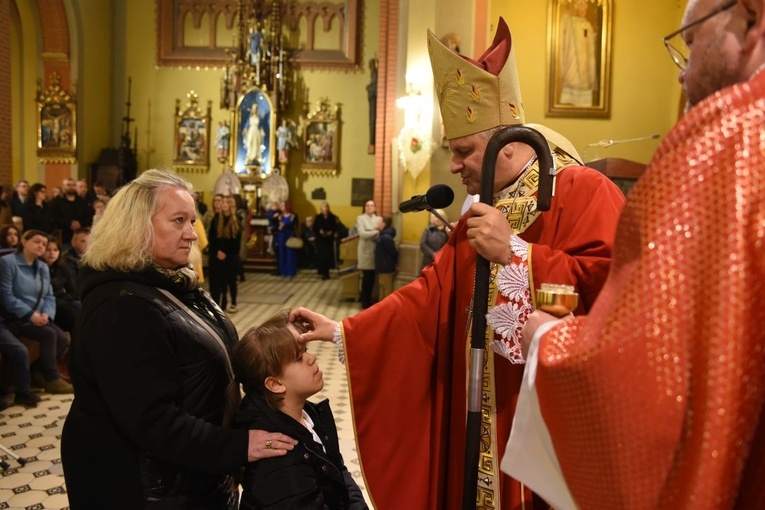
point(442, 213)
point(124, 238)
point(228, 226)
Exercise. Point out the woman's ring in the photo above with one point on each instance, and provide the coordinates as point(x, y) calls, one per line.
point(268, 444)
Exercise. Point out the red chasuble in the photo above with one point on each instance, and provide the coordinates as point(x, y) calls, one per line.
point(656, 399)
point(406, 356)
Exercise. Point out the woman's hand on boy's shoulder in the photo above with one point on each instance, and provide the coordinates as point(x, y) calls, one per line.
point(265, 444)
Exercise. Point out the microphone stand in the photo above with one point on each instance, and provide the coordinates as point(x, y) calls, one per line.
point(608, 143)
point(545, 192)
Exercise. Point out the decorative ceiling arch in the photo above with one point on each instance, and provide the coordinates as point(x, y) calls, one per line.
point(56, 44)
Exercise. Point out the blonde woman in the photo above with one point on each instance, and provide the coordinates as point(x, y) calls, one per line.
point(433, 238)
point(225, 239)
point(150, 365)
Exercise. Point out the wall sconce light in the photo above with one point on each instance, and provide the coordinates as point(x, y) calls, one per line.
point(412, 104)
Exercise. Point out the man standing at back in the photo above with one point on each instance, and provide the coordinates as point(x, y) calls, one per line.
point(19, 197)
point(70, 212)
point(657, 398)
point(406, 356)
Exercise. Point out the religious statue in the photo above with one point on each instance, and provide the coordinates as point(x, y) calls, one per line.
point(223, 140)
point(253, 137)
point(256, 45)
point(372, 97)
point(286, 137)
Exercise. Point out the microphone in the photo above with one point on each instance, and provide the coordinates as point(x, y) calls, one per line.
point(437, 197)
point(609, 143)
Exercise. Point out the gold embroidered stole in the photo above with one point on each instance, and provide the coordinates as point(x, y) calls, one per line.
point(518, 202)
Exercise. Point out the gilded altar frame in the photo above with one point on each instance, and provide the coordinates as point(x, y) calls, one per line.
point(56, 123)
point(321, 140)
point(192, 135)
point(579, 58)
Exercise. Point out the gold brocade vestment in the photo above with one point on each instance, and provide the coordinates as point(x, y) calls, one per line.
point(518, 203)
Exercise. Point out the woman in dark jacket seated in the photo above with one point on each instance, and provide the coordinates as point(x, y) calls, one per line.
point(27, 300)
point(150, 365)
point(36, 212)
point(64, 287)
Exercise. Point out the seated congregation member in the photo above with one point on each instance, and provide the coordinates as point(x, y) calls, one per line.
point(18, 222)
point(9, 238)
point(5, 207)
point(150, 365)
point(36, 212)
point(17, 357)
point(79, 245)
point(64, 285)
point(224, 239)
point(99, 206)
point(27, 297)
point(278, 375)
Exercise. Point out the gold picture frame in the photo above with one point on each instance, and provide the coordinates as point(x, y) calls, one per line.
point(321, 140)
point(579, 58)
point(192, 135)
point(56, 123)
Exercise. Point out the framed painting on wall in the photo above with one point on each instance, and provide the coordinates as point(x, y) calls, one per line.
point(321, 140)
point(56, 124)
point(579, 58)
point(192, 135)
point(254, 134)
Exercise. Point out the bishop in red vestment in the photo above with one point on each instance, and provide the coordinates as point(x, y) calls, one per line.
point(406, 356)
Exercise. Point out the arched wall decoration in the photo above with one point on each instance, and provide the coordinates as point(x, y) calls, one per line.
point(55, 54)
point(347, 14)
point(171, 16)
point(321, 15)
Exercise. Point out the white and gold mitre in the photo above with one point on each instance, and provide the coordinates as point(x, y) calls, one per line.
point(471, 97)
point(478, 95)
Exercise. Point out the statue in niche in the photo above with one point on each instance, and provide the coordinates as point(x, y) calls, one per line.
point(253, 133)
point(223, 140)
point(256, 45)
point(286, 138)
point(372, 97)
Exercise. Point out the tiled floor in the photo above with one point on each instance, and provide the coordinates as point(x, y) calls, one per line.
point(35, 433)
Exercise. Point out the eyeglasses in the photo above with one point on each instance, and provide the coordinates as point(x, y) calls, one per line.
point(680, 51)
